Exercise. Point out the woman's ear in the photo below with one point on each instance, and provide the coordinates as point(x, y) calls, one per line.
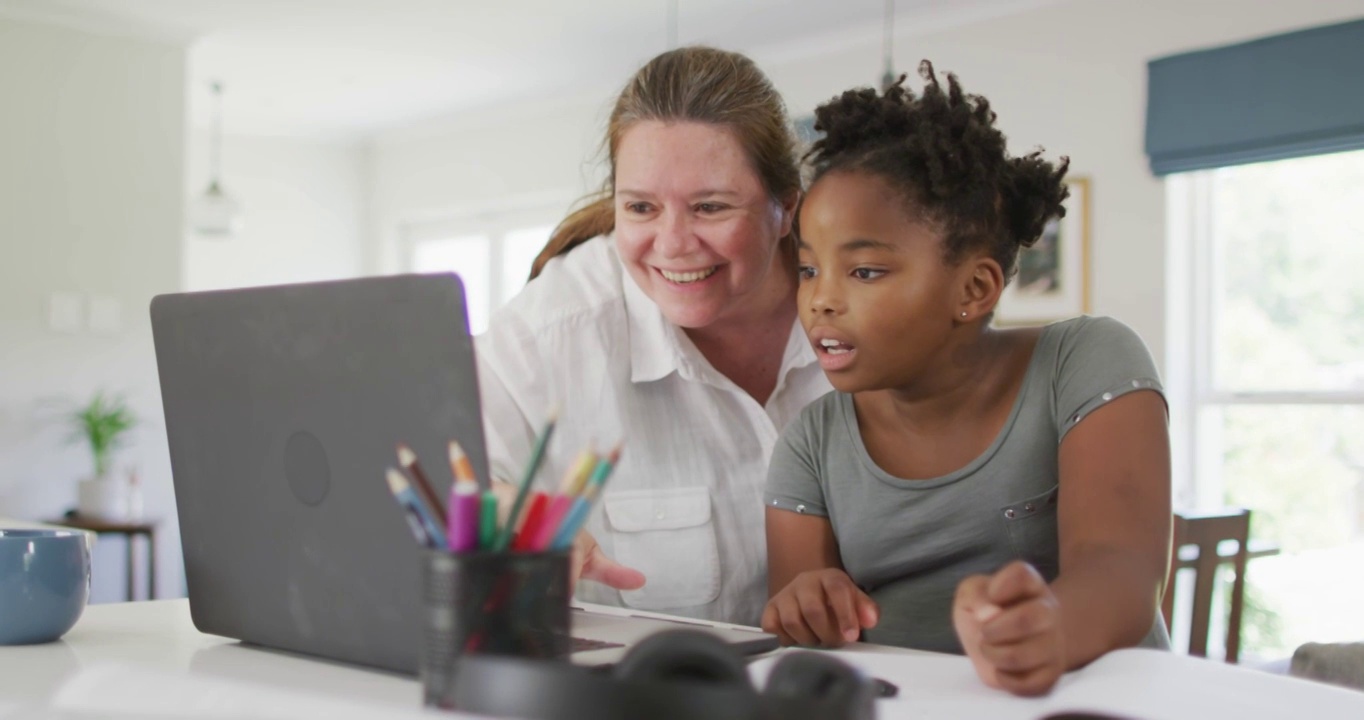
point(981, 282)
point(789, 204)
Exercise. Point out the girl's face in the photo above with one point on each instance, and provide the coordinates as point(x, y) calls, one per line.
point(876, 296)
point(695, 227)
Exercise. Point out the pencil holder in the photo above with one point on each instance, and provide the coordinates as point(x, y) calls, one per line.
point(485, 603)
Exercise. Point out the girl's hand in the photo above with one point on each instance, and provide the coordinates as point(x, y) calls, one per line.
point(1009, 624)
point(820, 607)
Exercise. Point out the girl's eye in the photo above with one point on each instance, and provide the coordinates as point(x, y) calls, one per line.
point(805, 272)
point(867, 273)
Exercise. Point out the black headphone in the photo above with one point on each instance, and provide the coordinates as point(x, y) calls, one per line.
point(672, 675)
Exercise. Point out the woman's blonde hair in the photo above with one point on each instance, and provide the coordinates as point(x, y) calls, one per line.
point(696, 84)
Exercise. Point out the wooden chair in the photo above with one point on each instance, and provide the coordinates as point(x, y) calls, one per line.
point(1207, 532)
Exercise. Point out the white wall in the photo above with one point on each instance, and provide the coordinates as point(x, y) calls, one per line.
point(91, 178)
point(1070, 77)
point(538, 156)
point(304, 208)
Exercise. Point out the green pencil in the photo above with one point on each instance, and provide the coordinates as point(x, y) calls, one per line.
point(487, 521)
point(537, 456)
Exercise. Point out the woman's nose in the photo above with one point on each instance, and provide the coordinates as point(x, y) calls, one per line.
point(674, 237)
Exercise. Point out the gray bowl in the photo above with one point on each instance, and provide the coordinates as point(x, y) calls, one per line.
point(44, 584)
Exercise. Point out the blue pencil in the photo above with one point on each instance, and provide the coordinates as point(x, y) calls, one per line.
point(582, 505)
point(424, 526)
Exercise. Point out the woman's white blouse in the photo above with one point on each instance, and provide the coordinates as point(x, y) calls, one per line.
point(684, 506)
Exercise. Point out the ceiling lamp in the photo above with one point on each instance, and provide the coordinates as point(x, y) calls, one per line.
point(889, 77)
point(214, 213)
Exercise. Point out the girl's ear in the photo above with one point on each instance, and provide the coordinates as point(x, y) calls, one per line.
point(981, 282)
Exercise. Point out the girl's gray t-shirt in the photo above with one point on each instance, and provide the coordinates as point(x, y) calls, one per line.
point(907, 543)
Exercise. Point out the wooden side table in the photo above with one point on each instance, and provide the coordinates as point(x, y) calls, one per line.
point(129, 531)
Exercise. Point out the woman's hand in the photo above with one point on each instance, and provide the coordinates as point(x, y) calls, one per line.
point(590, 563)
point(1009, 624)
point(820, 607)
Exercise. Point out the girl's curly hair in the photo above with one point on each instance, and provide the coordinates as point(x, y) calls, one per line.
point(943, 153)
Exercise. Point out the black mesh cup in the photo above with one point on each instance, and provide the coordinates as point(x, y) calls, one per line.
point(491, 604)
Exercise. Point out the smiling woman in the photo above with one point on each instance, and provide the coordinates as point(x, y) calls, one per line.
point(663, 313)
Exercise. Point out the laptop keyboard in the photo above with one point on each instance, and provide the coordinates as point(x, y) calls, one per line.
point(585, 644)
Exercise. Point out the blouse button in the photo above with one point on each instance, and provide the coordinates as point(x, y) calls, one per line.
point(1108, 396)
point(659, 516)
point(1010, 513)
point(800, 508)
point(1029, 507)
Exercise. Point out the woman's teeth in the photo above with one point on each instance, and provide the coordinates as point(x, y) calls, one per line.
point(689, 277)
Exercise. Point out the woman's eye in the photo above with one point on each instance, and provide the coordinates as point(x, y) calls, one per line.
point(867, 273)
point(638, 208)
point(709, 207)
point(805, 272)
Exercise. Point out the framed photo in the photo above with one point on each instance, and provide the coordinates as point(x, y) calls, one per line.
point(1053, 275)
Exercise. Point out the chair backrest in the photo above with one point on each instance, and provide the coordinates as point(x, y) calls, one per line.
point(1207, 532)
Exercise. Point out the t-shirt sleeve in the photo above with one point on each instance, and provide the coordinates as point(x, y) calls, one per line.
point(793, 476)
point(1100, 360)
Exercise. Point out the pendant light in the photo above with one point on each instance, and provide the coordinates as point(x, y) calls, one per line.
point(214, 213)
point(887, 44)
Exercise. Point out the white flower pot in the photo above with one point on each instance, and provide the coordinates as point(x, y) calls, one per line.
point(103, 498)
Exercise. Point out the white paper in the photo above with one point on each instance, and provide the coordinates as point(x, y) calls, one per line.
point(1147, 684)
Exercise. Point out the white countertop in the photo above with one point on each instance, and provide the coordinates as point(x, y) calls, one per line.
point(152, 648)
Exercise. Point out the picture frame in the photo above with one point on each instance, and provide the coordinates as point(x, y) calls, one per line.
point(1053, 279)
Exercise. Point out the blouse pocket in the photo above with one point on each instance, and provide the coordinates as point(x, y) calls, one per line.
point(670, 537)
point(1031, 524)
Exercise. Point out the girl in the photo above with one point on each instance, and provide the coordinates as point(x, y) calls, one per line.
point(1003, 493)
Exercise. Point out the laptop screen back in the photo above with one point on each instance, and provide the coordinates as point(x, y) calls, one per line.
point(283, 408)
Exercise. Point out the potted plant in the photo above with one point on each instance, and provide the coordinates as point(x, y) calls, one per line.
point(103, 423)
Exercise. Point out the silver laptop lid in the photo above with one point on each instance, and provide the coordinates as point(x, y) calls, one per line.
point(283, 407)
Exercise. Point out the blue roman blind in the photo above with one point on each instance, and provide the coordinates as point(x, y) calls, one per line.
point(1279, 97)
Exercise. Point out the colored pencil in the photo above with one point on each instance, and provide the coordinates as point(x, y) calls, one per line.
point(582, 506)
point(530, 529)
point(464, 516)
point(487, 521)
point(460, 467)
point(408, 460)
point(569, 488)
point(424, 526)
point(576, 477)
point(537, 456)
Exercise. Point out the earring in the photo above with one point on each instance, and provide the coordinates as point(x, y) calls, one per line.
point(963, 313)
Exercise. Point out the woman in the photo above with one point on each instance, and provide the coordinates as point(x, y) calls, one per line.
point(664, 315)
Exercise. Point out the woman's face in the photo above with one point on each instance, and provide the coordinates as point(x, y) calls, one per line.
point(694, 225)
point(876, 297)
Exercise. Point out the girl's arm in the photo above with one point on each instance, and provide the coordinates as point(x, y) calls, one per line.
point(814, 602)
point(1114, 535)
point(797, 543)
point(1114, 526)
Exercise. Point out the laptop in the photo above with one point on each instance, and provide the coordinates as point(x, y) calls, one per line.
point(283, 408)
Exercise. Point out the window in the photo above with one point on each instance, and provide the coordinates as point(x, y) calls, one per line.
point(491, 255)
point(1272, 345)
